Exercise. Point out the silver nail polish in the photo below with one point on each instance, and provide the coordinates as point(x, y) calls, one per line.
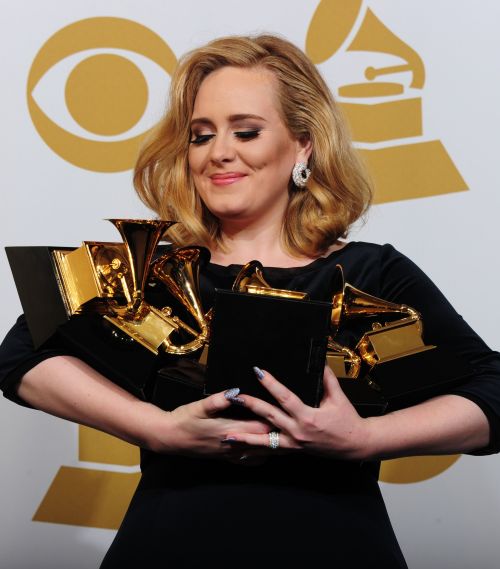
point(258, 372)
point(237, 401)
point(232, 393)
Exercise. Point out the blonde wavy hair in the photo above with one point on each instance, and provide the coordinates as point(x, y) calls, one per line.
point(338, 191)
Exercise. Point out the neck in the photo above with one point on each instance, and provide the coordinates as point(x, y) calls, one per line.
point(244, 242)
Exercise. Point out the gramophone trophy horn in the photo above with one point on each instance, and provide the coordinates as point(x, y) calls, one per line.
point(179, 272)
point(141, 238)
point(251, 279)
point(350, 302)
point(139, 320)
point(344, 362)
point(250, 275)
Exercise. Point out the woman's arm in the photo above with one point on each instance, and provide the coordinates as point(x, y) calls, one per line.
point(67, 387)
point(444, 425)
point(52, 380)
point(447, 424)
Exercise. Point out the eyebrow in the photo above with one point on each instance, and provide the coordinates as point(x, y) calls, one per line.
point(232, 118)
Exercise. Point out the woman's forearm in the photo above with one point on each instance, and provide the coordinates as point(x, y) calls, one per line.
point(66, 387)
point(69, 388)
point(444, 425)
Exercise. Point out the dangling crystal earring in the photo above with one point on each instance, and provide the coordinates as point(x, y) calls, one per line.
point(300, 174)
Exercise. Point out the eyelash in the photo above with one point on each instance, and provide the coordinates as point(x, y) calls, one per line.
point(247, 134)
point(242, 135)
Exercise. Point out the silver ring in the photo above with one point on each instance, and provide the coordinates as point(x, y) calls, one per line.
point(274, 440)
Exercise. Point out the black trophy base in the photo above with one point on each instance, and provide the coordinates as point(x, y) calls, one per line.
point(102, 346)
point(367, 401)
point(34, 273)
point(415, 378)
point(286, 337)
point(179, 383)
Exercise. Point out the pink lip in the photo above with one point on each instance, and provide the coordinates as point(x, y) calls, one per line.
point(226, 178)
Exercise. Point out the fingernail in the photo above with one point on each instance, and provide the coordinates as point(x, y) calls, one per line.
point(228, 440)
point(258, 372)
point(237, 401)
point(232, 396)
point(232, 393)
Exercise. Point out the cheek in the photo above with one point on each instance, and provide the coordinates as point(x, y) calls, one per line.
point(280, 162)
point(276, 156)
point(192, 162)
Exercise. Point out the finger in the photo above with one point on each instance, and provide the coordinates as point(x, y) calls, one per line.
point(272, 414)
point(332, 391)
point(262, 442)
point(256, 427)
point(287, 399)
point(217, 402)
point(250, 426)
point(331, 386)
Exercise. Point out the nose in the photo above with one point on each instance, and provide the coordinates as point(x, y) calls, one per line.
point(222, 148)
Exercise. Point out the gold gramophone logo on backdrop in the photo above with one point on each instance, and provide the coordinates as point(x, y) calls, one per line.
point(384, 108)
point(88, 496)
point(99, 65)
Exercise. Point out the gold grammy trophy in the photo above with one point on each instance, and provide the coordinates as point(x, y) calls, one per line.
point(384, 342)
point(96, 300)
point(111, 278)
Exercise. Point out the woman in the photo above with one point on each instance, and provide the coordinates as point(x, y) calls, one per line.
point(253, 158)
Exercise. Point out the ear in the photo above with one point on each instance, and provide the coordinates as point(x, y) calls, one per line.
point(304, 149)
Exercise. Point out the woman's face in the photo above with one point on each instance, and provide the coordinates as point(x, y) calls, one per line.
point(241, 154)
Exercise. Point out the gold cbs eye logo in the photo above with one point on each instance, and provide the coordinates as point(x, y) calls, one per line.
point(105, 94)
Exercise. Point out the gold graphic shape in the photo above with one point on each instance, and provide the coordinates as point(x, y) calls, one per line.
point(106, 94)
point(384, 112)
point(87, 496)
point(98, 33)
point(413, 469)
point(96, 446)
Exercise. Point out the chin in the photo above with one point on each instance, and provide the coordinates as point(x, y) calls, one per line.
point(228, 210)
point(231, 214)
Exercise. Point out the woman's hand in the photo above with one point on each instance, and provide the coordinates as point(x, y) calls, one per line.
point(447, 424)
point(197, 429)
point(333, 429)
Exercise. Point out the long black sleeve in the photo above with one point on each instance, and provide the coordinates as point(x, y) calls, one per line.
point(18, 356)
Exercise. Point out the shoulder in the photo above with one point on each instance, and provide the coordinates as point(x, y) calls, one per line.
point(367, 265)
point(366, 251)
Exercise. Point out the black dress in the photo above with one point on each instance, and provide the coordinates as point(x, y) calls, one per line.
point(293, 510)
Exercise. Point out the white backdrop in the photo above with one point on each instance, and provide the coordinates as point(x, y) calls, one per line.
point(450, 520)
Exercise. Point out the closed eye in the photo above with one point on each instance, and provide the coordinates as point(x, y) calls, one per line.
point(201, 138)
point(247, 134)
